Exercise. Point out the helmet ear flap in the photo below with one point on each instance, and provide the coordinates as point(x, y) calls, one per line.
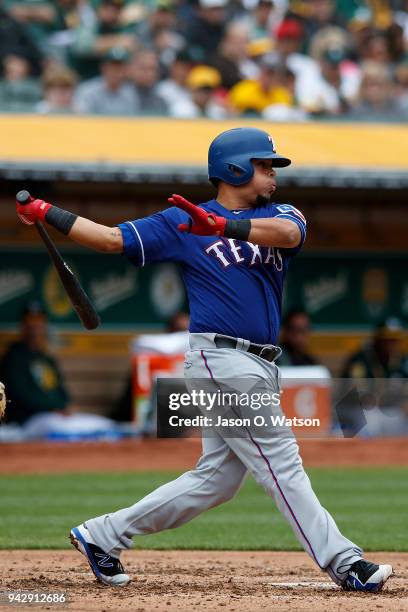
point(239, 174)
point(236, 170)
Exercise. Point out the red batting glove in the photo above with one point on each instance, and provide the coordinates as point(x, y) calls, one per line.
point(33, 211)
point(201, 223)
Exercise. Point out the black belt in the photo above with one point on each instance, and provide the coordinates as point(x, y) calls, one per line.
point(268, 351)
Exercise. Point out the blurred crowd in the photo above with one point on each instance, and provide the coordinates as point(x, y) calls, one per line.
point(276, 59)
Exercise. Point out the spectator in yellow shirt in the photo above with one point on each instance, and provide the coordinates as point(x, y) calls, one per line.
point(254, 95)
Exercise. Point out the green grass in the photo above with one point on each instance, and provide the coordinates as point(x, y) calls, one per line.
point(369, 505)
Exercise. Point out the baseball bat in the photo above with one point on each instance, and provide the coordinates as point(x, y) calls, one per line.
point(79, 299)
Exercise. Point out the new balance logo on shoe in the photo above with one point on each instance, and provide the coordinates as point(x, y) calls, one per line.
point(105, 560)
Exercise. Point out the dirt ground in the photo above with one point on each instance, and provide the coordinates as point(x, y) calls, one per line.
point(184, 581)
point(141, 455)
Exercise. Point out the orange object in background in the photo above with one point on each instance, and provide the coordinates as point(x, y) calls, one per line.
point(308, 401)
point(306, 394)
point(146, 368)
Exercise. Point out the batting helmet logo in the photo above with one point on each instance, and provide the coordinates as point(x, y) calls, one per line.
point(272, 143)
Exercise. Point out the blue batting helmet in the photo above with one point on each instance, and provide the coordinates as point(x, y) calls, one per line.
point(231, 152)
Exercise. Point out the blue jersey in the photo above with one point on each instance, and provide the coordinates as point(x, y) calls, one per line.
point(234, 287)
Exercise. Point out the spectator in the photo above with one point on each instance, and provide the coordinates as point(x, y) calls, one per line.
point(38, 18)
point(161, 18)
point(206, 29)
point(109, 94)
point(73, 16)
point(382, 357)
point(376, 101)
point(332, 101)
point(289, 40)
point(19, 91)
point(400, 17)
point(252, 96)
point(334, 44)
point(376, 49)
point(324, 96)
point(174, 90)
point(294, 340)
point(15, 40)
point(144, 75)
point(360, 28)
point(59, 86)
point(261, 19)
point(166, 43)
point(395, 42)
point(318, 14)
point(283, 112)
point(203, 83)
point(95, 37)
point(32, 377)
point(370, 407)
point(231, 59)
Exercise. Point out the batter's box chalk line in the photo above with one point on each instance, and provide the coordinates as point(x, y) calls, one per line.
point(303, 585)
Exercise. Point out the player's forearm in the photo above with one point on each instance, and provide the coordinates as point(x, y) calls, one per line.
point(96, 236)
point(264, 232)
point(274, 233)
point(83, 231)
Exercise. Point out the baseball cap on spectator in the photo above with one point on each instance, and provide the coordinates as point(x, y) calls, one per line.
point(209, 4)
point(203, 77)
point(259, 46)
point(116, 54)
point(361, 19)
point(289, 28)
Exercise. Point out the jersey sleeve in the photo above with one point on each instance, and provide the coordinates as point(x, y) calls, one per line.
point(287, 211)
point(154, 238)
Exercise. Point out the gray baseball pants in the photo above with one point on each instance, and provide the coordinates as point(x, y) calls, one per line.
point(272, 459)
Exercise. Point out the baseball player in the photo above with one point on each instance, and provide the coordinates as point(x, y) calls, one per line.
point(234, 252)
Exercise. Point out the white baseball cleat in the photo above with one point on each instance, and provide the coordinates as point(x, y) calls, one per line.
point(366, 576)
point(107, 569)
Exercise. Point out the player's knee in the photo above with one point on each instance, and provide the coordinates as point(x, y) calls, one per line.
point(218, 486)
point(227, 487)
point(229, 492)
